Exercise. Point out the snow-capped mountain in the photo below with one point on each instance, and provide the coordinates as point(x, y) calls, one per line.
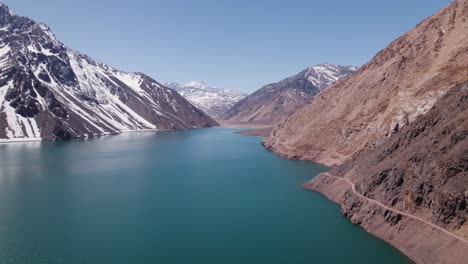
point(48, 91)
point(324, 75)
point(277, 100)
point(211, 100)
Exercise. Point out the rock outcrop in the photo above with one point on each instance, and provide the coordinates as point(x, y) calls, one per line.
point(421, 170)
point(396, 133)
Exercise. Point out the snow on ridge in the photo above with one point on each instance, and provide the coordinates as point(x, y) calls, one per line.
point(201, 85)
point(45, 28)
point(133, 81)
point(112, 109)
point(6, 8)
point(323, 75)
point(211, 100)
point(198, 84)
point(99, 99)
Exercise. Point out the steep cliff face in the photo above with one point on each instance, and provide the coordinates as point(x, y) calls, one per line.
point(48, 91)
point(397, 132)
point(275, 101)
point(400, 83)
point(422, 170)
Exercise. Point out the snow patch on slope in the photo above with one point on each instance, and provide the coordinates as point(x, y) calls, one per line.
point(17, 126)
point(324, 75)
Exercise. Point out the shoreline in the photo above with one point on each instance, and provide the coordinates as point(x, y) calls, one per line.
point(304, 186)
point(260, 132)
point(410, 244)
point(419, 243)
point(19, 140)
point(252, 125)
point(88, 136)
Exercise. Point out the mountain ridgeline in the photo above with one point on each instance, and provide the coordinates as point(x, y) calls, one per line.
point(421, 170)
point(397, 134)
point(48, 91)
point(401, 82)
point(279, 100)
point(211, 100)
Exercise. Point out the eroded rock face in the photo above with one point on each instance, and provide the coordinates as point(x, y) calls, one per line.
point(48, 91)
point(276, 101)
point(402, 82)
point(422, 169)
point(397, 129)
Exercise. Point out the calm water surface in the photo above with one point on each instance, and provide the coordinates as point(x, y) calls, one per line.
point(201, 196)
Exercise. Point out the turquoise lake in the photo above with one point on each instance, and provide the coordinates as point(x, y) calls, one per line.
point(201, 196)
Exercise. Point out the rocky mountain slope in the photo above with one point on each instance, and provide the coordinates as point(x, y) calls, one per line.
point(424, 167)
point(211, 100)
point(401, 82)
point(48, 91)
point(275, 101)
point(421, 170)
point(397, 133)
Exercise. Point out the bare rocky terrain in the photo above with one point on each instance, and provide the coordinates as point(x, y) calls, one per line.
point(276, 101)
point(396, 135)
point(422, 170)
point(401, 82)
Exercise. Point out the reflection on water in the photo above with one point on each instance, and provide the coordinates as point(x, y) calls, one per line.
point(31, 159)
point(20, 159)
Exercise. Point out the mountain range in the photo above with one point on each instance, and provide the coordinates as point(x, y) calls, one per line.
point(394, 131)
point(211, 100)
point(48, 91)
point(279, 100)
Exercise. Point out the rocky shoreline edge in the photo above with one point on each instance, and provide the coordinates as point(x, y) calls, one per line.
point(418, 241)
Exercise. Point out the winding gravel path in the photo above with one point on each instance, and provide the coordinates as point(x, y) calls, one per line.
point(397, 211)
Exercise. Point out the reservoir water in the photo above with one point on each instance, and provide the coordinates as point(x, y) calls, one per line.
point(200, 196)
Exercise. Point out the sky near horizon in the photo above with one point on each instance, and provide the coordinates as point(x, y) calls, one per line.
point(238, 44)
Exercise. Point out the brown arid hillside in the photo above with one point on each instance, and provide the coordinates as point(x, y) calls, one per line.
point(421, 175)
point(402, 82)
point(276, 101)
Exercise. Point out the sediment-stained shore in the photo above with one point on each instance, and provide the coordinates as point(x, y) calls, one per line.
point(418, 240)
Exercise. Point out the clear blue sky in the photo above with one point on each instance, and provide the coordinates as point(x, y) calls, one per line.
point(242, 44)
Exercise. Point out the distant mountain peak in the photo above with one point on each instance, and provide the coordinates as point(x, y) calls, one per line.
point(211, 100)
point(323, 75)
point(6, 9)
point(278, 100)
point(329, 66)
point(6, 15)
point(400, 83)
point(46, 30)
point(199, 84)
